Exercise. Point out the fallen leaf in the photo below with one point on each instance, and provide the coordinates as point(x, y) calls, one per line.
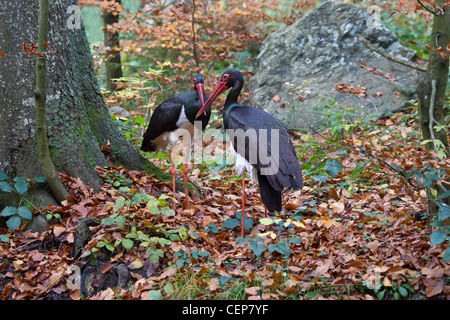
point(168, 272)
point(387, 282)
point(58, 230)
point(75, 294)
point(433, 286)
point(294, 269)
point(17, 264)
point(252, 290)
point(213, 284)
point(136, 264)
point(37, 256)
point(324, 267)
point(56, 277)
point(373, 245)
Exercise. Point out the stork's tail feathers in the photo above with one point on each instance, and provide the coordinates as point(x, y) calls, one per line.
point(269, 195)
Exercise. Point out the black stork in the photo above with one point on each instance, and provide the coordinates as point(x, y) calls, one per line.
point(171, 119)
point(255, 149)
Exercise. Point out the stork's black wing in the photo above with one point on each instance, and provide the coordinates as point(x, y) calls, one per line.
point(164, 119)
point(270, 151)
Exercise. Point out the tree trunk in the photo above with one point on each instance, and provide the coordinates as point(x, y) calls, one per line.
point(47, 166)
point(78, 121)
point(113, 65)
point(431, 94)
point(437, 70)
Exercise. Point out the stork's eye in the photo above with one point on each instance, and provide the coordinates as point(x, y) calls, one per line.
point(225, 77)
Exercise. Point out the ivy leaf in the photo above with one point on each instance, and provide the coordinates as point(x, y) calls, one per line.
point(127, 244)
point(13, 223)
point(154, 295)
point(230, 223)
point(3, 176)
point(4, 238)
point(266, 221)
point(5, 187)
point(119, 203)
point(120, 221)
point(333, 167)
point(320, 178)
point(25, 213)
point(437, 237)
point(40, 179)
point(8, 211)
point(21, 186)
point(295, 240)
point(446, 255)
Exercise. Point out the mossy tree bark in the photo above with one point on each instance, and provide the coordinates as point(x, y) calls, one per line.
point(45, 160)
point(431, 94)
point(78, 121)
point(112, 41)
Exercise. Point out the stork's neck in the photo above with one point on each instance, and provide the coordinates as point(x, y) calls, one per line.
point(233, 95)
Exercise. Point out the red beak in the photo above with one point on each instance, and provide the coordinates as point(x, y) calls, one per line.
point(221, 87)
point(200, 93)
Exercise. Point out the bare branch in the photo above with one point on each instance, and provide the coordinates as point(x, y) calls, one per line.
point(428, 9)
point(390, 57)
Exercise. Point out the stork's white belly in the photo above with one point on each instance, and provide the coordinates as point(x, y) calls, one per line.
point(185, 129)
point(241, 165)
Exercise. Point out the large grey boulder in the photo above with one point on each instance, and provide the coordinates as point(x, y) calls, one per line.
point(298, 66)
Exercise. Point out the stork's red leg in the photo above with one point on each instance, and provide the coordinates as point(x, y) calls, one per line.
point(186, 190)
point(265, 211)
point(173, 172)
point(243, 204)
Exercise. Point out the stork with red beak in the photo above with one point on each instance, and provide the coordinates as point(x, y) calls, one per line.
point(174, 118)
point(253, 147)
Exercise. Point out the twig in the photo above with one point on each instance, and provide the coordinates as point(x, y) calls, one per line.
point(24, 245)
point(193, 34)
point(431, 111)
point(428, 9)
point(390, 57)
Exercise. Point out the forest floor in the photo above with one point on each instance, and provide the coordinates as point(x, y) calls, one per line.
point(357, 230)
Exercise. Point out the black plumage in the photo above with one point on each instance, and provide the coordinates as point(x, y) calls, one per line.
point(250, 131)
point(171, 119)
point(174, 113)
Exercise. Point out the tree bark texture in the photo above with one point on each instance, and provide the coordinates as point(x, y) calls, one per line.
point(45, 160)
point(431, 94)
point(78, 121)
point(113, 65)
point(437, 70)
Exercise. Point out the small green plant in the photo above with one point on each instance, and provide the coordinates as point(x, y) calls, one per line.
point(134, 236)
point(116, 179)
point(396, 291)
point(183, 257)
point(256, 245)
point(441, 234)
point(20, 186)
point(50, 216)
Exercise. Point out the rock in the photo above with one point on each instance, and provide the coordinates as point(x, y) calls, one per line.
point(83, 235)
point(119, 112)
point(38, 223)
point(301, 63)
